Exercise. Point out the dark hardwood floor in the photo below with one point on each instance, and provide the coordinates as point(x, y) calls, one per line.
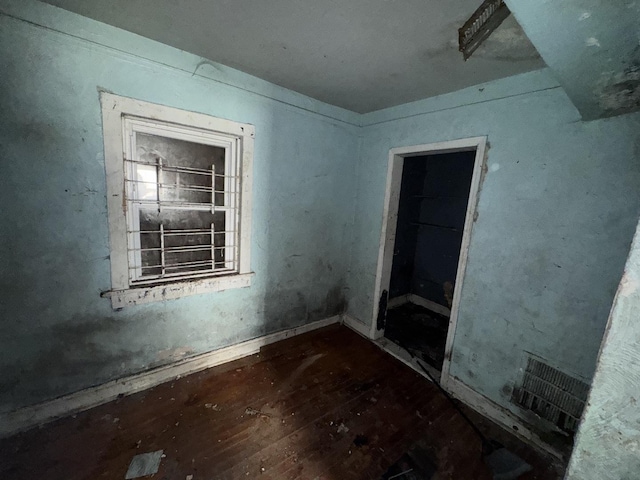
point(324, 405)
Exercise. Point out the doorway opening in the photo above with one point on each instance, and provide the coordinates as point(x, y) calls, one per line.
point(429, 211)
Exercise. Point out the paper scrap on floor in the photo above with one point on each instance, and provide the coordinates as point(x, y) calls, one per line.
point(144, 464)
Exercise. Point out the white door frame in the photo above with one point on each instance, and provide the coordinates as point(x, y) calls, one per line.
point(390, 219)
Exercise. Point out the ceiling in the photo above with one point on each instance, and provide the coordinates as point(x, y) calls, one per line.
point(362, 55)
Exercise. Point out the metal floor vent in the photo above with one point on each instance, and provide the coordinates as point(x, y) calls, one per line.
point(480, 25)
point(552, 394)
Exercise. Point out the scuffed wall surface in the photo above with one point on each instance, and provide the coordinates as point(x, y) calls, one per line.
point(556, 213)
point(608, 442)
point(56, 334)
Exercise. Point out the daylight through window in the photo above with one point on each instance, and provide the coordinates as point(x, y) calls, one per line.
point(179, 199)
point(182, 202)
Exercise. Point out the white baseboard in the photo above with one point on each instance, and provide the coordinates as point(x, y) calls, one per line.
point(418, 300)
point(397, 301)
point(433, 306)
point(356, 325)
point(499, 415)
point(28, 417)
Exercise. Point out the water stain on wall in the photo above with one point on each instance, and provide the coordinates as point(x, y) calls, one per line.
point(73, 350)
point(291, 308)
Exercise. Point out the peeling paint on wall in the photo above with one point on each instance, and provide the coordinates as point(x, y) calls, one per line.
point(173, 354)
point(619, 92)
point(592, 42)
point(628, 285)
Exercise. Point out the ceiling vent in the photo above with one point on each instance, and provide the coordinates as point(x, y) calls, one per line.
point(481, 24)
point(552, 394)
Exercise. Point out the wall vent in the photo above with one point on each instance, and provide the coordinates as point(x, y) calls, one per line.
point(482, 23)
point(552, 394)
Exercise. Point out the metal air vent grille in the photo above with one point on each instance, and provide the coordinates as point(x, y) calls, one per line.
point(552, 394)
point(480, 25)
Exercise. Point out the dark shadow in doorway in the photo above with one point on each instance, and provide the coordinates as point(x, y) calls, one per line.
point(422, 331)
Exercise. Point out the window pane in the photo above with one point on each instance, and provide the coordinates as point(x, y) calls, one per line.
point(186, 238)
point(185, 171)
point(146, 186)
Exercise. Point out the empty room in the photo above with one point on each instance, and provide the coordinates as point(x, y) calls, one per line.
point(319, 240)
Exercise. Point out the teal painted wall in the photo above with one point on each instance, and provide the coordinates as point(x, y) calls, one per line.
point(556, 214)
point(608, 442)
point(593, 48)
point(56, 334)
point(557, 210)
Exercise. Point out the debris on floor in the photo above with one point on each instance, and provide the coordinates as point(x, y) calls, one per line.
point(253, 412)
point(144, 464)
point(232, 444)
point(422, 331)
point(416, 464)
point(343, 428)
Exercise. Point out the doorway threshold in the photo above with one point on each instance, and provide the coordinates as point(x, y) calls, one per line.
point(401, 354)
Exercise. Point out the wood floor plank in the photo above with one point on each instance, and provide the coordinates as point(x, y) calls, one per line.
point(324, 405)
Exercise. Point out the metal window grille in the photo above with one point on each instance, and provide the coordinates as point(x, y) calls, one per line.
point(182, 188)
point(552, 394)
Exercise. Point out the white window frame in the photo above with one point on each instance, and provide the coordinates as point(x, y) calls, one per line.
point(121, 117)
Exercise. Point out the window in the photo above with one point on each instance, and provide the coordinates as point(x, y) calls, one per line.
point(178, 186)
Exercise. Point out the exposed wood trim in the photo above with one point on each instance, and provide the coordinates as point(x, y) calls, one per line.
point(28, 417)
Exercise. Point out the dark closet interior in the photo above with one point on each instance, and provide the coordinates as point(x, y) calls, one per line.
point(431, 216)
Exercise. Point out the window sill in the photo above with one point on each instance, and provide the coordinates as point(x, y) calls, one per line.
point(171, 291)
